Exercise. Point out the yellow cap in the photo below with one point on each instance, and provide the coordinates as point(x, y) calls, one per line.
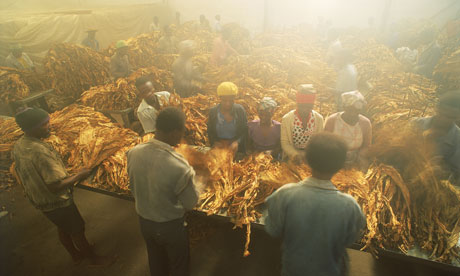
point(227, 89)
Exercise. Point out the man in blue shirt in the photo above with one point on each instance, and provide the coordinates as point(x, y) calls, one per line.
point(442, 130)
point(314, 220)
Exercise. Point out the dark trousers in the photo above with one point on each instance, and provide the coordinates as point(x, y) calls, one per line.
point(167, 247)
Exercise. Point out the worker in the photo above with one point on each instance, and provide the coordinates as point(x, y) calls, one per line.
point(155, 25)
point(221, 48)
point(300, 124)
point(335, 46)
point(264, 134)
point(227, 123)
point(217, 25)
point(48, 185)
point(430, 56)
point(347, 75)
point(18, 59)
point(353, 127)
point(204, 23)
point(177, 21)
point(119, 63)
point(162, 183)
point(151, 103)
point(315, 221)
point(187, 78)
point(90, 41)
point(167, 43)
point(442, 130)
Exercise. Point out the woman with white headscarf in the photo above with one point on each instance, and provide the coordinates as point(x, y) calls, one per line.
point(353, 127)
point(264, 134)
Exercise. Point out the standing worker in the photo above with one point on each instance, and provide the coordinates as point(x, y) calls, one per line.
point(445, 134)
point(163, 186)
point(204, 23)
point(217, 24)
point(221, 48)
point(167, 43)
point(347, 75)
point(18, 59)
point(315, 221)
point(155, 25)
point(300, 124)
point(90, 41)
point(177, 21)
point(430, 55)
point(119, 63)
point(186, 75)
point(48, 185)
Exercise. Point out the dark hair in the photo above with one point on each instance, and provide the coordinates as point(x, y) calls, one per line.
point(141, 81)
point(450, 99)
point(170, 119)
point(326, 153)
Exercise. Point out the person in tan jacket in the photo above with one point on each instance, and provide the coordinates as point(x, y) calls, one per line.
point(300, 124)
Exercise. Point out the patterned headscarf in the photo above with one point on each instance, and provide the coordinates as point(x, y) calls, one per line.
point(268, 103)
point(353, 98)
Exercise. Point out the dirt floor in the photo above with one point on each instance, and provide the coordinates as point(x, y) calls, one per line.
point(29, 244)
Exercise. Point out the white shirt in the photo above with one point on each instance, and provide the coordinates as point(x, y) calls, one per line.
point(217, 27)
point(154, 28)
point(353, 135)
point(347, 79)
point(147, 114)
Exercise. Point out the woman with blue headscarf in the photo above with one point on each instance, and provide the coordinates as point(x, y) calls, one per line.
point(264, 134)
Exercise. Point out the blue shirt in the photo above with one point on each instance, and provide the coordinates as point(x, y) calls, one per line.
point(448, 146)
point(225, 130)
point(315, 222)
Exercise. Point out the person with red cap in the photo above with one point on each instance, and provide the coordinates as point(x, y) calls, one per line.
point(48, 185)
point(300, 124)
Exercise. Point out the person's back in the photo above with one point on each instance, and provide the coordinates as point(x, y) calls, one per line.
point(155, 172)
point(314, 220)
point(319, 223)
point(163, 186)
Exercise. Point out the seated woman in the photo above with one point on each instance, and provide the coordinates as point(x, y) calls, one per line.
point(227, 122)
point(355, 128)
point(299, 124)
point(265, 133)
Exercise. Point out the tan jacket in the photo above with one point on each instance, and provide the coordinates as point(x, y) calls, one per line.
point(37, 166)
point(287, 124)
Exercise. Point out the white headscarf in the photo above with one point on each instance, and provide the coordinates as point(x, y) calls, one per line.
point(267, 103)
point(353, 98)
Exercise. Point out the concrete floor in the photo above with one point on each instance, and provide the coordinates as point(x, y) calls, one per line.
point(29, 244)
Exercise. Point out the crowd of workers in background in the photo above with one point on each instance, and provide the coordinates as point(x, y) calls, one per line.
point(164, 184)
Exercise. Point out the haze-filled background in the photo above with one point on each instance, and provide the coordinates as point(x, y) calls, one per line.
point(38, 24)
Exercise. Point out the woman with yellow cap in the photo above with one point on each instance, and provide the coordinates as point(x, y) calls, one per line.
point(227, 122)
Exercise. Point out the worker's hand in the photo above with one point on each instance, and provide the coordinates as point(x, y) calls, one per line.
point(234, 146)
point(430, 135)
point(84, 173)
point(297, 159)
